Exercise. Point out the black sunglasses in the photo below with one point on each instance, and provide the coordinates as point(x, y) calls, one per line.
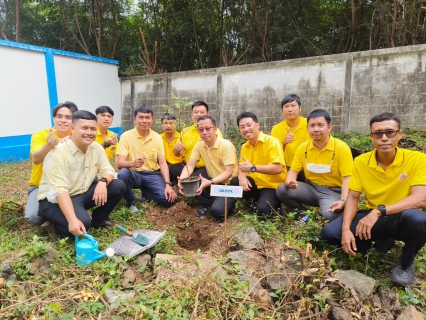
point(388, 133)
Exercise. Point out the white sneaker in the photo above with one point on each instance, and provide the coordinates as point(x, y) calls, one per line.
point(134, 209)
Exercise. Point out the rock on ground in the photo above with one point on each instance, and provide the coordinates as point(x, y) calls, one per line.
point(113, 295)
point(362, 284)
point(247, 239)
point(410, 313)
point(42, 263)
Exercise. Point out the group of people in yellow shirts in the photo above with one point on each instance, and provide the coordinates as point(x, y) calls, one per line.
point(300, 164)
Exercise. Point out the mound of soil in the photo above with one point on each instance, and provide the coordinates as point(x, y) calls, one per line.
point(192, 233)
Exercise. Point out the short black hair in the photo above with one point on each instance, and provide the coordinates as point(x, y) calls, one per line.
point(205, 117)
point(167, 116)
point(143, 109)
point(83, 114)
point(199, 103)
point(246, 115)
point(386, 116)
point(104, 109)
point(290, 98)
point(318, 113)
point(67, 104)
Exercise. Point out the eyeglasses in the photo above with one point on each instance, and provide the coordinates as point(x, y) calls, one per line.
point(206, 129)
point(60, 116)
point(388, 133)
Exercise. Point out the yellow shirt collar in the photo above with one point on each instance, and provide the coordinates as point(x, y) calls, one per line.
point(329, 145)
point(138, 136)
point(397, 162)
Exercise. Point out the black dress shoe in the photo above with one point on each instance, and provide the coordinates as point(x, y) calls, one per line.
point(102, 224)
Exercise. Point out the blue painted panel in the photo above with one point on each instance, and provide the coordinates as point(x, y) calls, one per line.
point(58, 52)
point(51, 80)
point(17, 148)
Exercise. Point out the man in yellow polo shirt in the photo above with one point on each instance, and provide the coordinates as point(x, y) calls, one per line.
point(327, 163)
point(394, 183)
point(262, 167)
point(140, 156)
point(220, 159)
point(190, 137)
point(293, 131)
point(41, 143)
point(106, 138)
point(170, 138)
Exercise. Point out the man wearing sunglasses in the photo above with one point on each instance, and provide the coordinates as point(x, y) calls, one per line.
point(220, 158)
point(394, 183)
point(327, 163)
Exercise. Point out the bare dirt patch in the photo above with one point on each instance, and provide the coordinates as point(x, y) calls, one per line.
point(192, 233)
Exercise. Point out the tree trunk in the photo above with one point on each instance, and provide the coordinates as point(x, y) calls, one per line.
point(395, 13)
point(6, 18)
point(18, 22)
point(196, 37)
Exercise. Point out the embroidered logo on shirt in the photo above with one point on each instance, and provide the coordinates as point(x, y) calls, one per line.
point(403, 176)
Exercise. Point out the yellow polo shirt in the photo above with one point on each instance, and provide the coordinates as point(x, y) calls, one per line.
point(168, 148)
point(68, 169)
point(267, 150)
point(301, 135)
point(190, 137)
point(133, 146)
point(221, 154)
point(110, 152)
point(38, 140)
point(388, 186)
point(336, 152)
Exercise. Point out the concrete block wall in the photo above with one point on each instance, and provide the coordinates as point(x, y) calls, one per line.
point(352, 87)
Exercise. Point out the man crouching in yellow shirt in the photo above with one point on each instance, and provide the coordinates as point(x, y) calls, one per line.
point(394, 183)
point(77, 176)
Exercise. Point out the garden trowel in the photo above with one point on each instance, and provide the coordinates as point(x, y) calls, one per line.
point(139, 239)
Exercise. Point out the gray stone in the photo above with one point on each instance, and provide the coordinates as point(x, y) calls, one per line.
point(111, 296)
point(39, 264)
point(147, 276)
point(339, 313)
point(251, 264)
point(264, 297)
point(281, 270)
point(362, 284)
point(247, 239)
point(7, 269)
point(129, 277)
point(410, 313)
point(389, 298)
point(143, 260)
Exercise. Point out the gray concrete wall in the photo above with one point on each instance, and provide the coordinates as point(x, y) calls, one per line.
point(352, 87)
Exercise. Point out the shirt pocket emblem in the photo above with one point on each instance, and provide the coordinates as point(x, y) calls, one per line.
point(403, 176)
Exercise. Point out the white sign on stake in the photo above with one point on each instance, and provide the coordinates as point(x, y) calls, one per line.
point(218, 190)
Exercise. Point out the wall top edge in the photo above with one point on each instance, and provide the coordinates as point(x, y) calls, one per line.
point(307, 60)
point(24, 46)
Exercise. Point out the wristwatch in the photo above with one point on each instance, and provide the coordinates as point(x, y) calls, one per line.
point(169, 183)
point(382, 209)
point(105, 145)
point(253, 168)
point(343, 200)
point(211, 180)
point(103, 180)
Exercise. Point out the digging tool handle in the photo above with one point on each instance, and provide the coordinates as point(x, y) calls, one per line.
point(121, 228)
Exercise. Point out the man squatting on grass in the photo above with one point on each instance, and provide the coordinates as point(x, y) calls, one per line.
point(41, 143)
point(394, 183)
point(77, 176)
point(220, 159)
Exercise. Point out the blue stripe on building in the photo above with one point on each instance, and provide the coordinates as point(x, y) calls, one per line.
point(17, 148)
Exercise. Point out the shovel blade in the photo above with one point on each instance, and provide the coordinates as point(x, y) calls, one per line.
point(140, 239)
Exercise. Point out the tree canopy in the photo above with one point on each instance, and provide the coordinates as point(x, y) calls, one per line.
point(153, 36)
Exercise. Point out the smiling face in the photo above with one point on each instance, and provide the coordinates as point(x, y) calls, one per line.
point(249, 129)
point(319, 129)
point(291, 110)
point(63, 120)
point(143, 121)
point(197, 112)
point(385, 144)
point(104, 119)
point(84, 133)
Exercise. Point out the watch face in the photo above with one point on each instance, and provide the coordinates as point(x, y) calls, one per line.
point(253, 169)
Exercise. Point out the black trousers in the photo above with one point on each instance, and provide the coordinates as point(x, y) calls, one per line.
point(408, 226)
point(265, 198)
point(175, 171)
point(81, 203)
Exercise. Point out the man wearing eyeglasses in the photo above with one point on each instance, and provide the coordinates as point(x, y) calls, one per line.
point(394, 183)
point(327, 163)
point(41, 143)
point(220, 158)
point(189, 137)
